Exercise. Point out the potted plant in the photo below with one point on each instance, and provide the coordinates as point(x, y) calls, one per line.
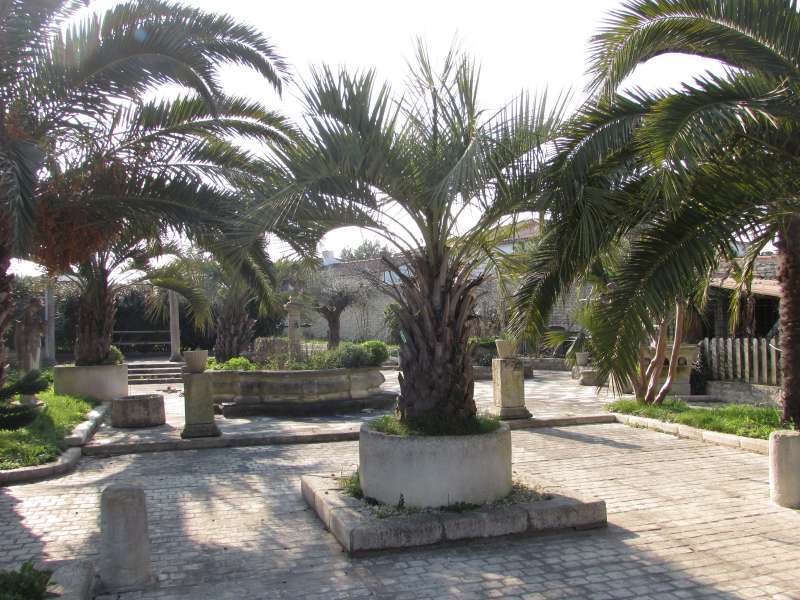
point(196, 360)
point(506, 346)
point(423, 156)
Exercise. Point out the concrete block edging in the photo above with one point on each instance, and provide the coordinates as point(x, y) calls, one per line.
point(684, 431)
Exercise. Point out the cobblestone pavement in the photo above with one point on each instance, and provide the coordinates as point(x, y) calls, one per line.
point(550, 393)
point(687, 520)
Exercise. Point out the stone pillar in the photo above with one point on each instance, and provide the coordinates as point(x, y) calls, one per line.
point(508, 379)
point(293, 328)
point(125, 543)
point(198, 401)
point(784, 468)
point(174, 328)
point(49, 357)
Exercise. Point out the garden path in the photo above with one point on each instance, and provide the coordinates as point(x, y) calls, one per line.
point(686, 520)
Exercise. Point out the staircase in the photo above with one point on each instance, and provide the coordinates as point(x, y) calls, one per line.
point(156, 372)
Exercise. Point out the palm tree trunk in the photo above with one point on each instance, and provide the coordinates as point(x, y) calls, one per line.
point(436, 380)
point(96, 312)
point(234, 330)
point(789, 277)
point(6, 292)
point(680, 310)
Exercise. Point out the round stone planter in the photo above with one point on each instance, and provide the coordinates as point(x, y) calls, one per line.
point(196, 360)
point(103, 382)
point(141, 410)
point(434, 471)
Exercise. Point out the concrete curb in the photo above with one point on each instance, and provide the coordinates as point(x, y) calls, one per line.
point(348, 435)
point(684, 431)
point(219, 442)
point(359, 532)
point(65, 463)
point(84, 431)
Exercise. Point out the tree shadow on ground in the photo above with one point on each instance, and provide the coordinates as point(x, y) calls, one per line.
point(585, 438)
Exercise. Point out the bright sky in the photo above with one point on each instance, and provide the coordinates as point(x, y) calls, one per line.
point(529, 45)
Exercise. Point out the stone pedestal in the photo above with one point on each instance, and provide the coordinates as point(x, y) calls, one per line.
point(198, 399)
point(141, 410)
point(125, 543)
point(293, 328)
point(687, 354)
point(508, 378)
point(784, 468)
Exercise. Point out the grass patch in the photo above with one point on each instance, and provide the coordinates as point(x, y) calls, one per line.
point(43, 440)
point(351, 486)
point(427, 426)
point(738, 419)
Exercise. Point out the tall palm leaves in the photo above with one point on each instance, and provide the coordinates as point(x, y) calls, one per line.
point(718, 155)
point(416, 164)
point(56, 86)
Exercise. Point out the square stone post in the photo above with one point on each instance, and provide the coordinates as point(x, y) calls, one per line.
point(293, 328)
point(198, 399)
point(508, 379)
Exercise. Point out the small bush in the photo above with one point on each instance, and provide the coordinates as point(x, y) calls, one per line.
point(115, 356)
point(237, 363)
point(25, 584)
point(354, 356)
point(435, 426)
point(378, 352)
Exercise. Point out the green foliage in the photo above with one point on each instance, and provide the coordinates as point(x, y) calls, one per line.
point(392, 322)
point(365, 250)
point(378, 351)
point(237, 363)
point(738, 419)
point(434, 427)
point(351, 485)
point(31, 383)
point(43, 440)
point(115, 356)
point(25, 584)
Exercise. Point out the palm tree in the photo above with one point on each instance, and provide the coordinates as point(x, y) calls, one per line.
point(57, 79)
point(220, 295)
point(685, 174)
point(411, 167)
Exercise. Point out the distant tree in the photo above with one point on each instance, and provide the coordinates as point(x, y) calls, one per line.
point(365, 250)
point(330, 298)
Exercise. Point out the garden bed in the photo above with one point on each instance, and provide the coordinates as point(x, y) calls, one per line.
point(737, 419)
point(42, 441)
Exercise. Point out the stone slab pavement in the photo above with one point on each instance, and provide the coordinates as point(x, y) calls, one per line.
point(549, 393)
point(686, 520)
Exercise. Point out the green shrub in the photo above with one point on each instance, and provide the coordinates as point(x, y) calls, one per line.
point(432, 426)
point(237, 363)
point(378, 352)
point(25, 584)
point(353, 356)
point(115, 356)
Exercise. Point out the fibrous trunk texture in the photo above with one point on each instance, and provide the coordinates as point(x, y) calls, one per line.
point(436, 306)
point(96, 311)
point(789, 277)
point(234, 330)
point(6, 293)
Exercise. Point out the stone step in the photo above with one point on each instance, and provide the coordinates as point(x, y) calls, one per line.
point(156, 372)
point(155, 381)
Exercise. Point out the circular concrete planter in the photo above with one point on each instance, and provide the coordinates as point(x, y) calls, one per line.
point(784, 468)
point(196, 360)
point(141, 410)
point(434, 471)
point(103, 382)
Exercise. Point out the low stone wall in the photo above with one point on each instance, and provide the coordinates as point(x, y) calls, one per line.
point(739, 392)
point(327, 391)
point(103, 382)
point(546, 364)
